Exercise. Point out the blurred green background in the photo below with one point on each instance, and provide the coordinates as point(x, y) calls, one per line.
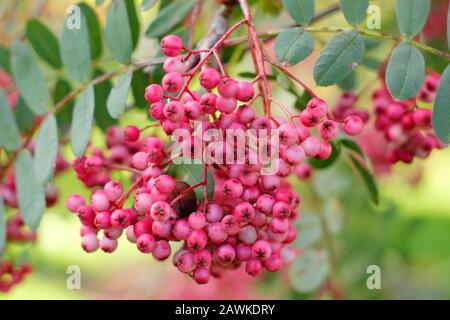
point(407, 235)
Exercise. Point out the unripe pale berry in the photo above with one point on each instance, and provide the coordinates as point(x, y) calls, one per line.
point(248, 235)
point(171, 45)
point(90, 243)
point(108, 245)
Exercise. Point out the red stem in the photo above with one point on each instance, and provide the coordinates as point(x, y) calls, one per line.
point(124, 198)
point(182, 194)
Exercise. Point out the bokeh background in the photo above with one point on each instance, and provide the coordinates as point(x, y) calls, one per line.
point(407, 235)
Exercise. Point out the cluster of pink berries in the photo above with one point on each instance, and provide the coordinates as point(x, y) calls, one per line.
point(407, 127)
point(10, 274)
point(249, 219)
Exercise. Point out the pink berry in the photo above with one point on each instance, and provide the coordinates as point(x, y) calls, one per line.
point(120, 219)
point(281, 209)
point(171, 45)
point(89, 243)
point(108, 245)
point(227, 87)
point(203, 258)
point(162, 250)
point(245, 114)
point(318, 105)
point(132, 133)
point(160, 211)
point(186, 262)
point(197, 220)
point(172, 82)
point(74, 202)
point(353, 125)
point(112, 233)
point(209, 78)
point(86, 215)
point(173, 111)
point(164, 183)
point(245, 91)
point(140, 160)
point(192, 110)
point(232, 188)
point(230, 225)
point(225, 254)
point(244, 212)
point(216, 234)
point(311, 146)
point(288, 134)
point(156, 110)
point(162, 229)
point(270, 182)
point(113, 190)
point(143, 226)
point(274, 263)
point(243, 252)
point(225, 105)
point(253, 267)
point(214, 213)
point(196, 240)
point(261, 249)
point(279, 225)
point(174, 64)
point(294, 154)
point(130, 235)
point(328, 130)
point(202, 275)
point(324, 151)
point(154, 93)
point(310, 117)
point(146, 243)
point(181, 229)
point(100, 201)
point(103, 220)
point(143, 203)
point(208, 103)
point(248, 235)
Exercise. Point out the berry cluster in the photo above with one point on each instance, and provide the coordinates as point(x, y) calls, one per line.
point(248, 221)
point(406, 127)
point(11, 275)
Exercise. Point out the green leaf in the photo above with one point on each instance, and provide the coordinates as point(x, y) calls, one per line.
point(10, 135)
point(24, 116)
point(30, 193)
point(82, 121)
point(355, 11)
point(353, 146)
point(118, 34)
point(75, 49)
point(63, 117)
point(134, 22)
point(29, 78)
point(441, 110)
point(117, 99)
point(2, 226)
point(138, 84)
point(302, 11)
point(147, 4)
point(192, 174)
point(44, 42)
point(371, 63)
point(405, 72)
point(412, 15)
point(368, 179)
point(309, 226)
point(293, 45)
point(5, 55)
point(309, 270)
point(340, 56)
point(95, 34)
point(101, 115)
point(46, 150)
point(323, 164)
point(168, 17)
point(349, 82)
